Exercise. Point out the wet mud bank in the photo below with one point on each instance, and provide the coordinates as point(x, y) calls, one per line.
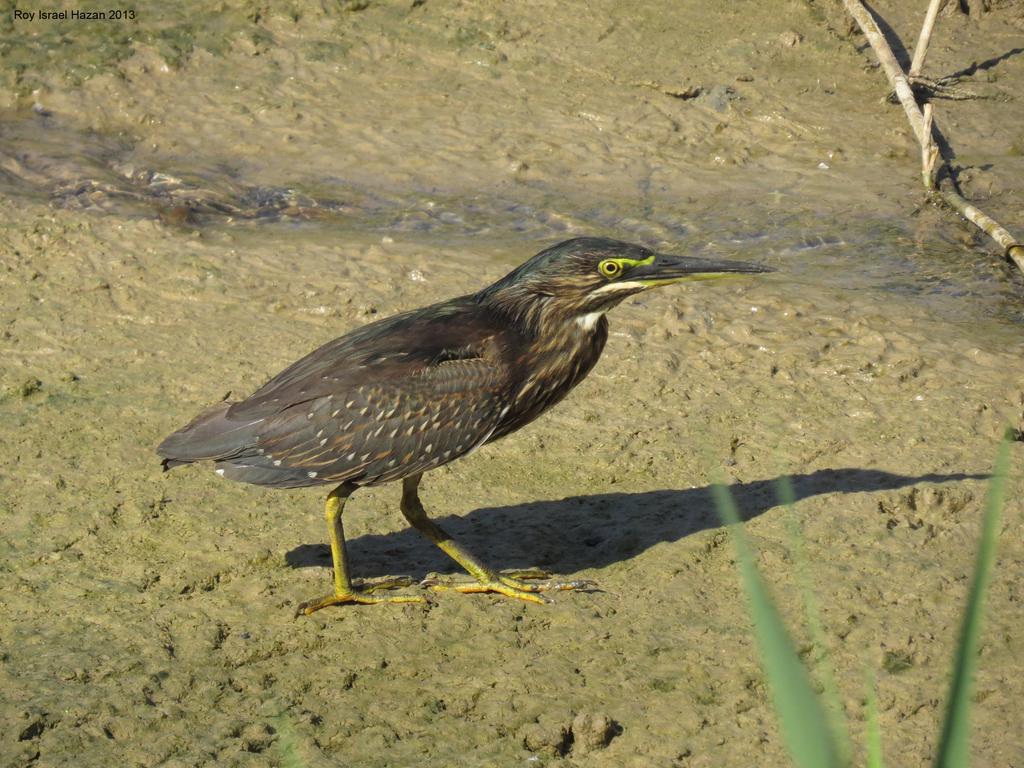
point(168, 237)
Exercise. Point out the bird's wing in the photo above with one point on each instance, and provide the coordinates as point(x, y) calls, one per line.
point(387, 401)
point(383, 430)
point(395, 346)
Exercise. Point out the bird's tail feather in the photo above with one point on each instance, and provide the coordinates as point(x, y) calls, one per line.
point(211, 435)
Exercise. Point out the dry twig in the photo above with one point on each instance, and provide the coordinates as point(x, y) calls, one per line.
point(922, 42)
point(922, 125)
point(893, 70)
point(929, 151)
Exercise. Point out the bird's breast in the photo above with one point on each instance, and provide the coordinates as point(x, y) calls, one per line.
point(548, 369)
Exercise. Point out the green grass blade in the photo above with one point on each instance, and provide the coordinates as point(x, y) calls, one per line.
point(288, 745)
point(954, 749)
point(874, 757)
point(802, 720)
point(834, 709)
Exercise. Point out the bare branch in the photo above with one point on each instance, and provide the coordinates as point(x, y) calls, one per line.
point(1013, 250)
point(929, 151)
point(893, 71)
point(922, 125)
point(922, 42)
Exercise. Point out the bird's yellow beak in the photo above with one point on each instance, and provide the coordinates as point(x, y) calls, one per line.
point(664, 269)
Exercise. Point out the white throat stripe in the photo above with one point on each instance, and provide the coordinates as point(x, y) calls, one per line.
point(589, 320)
point(628, 285)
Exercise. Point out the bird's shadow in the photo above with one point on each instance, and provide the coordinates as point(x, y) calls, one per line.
point(582, 532)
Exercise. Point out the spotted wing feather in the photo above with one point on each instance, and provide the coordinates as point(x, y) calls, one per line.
point(379, 432)
point(381, 351)
point(390, 399)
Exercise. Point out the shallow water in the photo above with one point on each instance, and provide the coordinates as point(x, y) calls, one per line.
point(923, 259)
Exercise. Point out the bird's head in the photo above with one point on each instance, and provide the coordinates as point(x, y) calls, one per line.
point(588, 275)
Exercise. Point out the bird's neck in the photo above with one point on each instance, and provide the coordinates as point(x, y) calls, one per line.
point(554, 352)
point(560, 341)
point(541, 316)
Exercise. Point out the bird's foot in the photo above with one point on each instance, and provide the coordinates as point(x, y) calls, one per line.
point(521, 584)
point(383, 582)
point(362, 594)
point(541, 581)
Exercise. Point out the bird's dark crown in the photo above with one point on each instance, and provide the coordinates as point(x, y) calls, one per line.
point(565, 275)
point(577, 257)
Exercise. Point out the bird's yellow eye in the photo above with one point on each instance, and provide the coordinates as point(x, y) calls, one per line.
point(609, 268)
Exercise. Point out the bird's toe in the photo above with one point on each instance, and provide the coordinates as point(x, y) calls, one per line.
point(379, 583)
point(513, 580)
point(519, 584)
point(358, 597)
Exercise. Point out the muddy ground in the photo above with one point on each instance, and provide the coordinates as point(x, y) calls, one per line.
point(191, 202)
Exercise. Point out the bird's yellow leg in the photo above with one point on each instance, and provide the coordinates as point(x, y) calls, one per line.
point(344, 590)
point(509, 583)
